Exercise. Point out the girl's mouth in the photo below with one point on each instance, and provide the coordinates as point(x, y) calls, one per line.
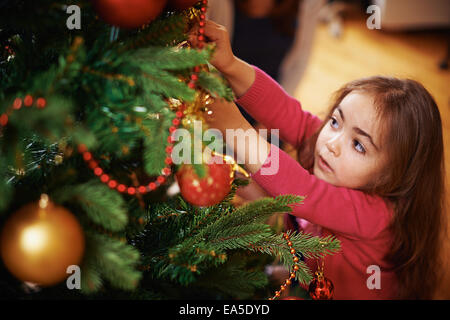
point(324, 165)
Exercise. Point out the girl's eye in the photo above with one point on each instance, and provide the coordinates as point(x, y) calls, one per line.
point(333, 122)
point(359, 147)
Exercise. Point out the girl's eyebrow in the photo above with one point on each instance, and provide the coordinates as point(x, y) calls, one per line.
point(358, 130)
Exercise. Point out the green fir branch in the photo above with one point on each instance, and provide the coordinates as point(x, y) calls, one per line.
point(101, 204)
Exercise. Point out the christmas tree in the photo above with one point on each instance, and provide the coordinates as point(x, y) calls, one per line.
point(90, 97)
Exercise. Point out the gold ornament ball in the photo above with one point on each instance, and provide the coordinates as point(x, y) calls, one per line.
point(40, 241)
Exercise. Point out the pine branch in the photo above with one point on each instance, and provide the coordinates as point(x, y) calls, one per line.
point(101, 204)
point(114, 260)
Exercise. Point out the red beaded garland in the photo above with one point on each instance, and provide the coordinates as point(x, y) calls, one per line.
point(17, 104)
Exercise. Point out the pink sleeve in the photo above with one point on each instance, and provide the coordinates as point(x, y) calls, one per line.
point(268, 103)
point(341, 210)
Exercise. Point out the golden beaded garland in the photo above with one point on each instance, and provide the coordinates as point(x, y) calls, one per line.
point(296, 267)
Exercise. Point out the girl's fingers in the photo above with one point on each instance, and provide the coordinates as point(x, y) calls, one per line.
point(213, 31)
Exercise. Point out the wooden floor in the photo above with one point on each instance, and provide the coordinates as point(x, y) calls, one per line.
point(361, 52)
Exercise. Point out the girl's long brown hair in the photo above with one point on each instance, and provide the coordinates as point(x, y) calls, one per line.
point(413, 181)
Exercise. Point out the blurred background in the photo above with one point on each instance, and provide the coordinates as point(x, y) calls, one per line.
point(332, 44)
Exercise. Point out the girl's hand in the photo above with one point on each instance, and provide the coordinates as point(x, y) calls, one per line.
point(224, 115)
point(239, 74)
point(242, 138)
point(223, 56)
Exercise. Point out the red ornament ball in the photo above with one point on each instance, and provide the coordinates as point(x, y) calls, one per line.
point(128, 14)
point(208, 190)
point(182, 4)
point(321, 288)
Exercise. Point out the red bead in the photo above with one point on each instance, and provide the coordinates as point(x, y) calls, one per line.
point(166, 171)
point(142, 189)
point(191, 85)
point(131, 190)
point(179, 114)
point(202, 16)
point(82, 148)
point(172, 129)
point(203, 9)
point(93, 164)
point(201, 38)
point(87, 156)
point(17, 104)
point(194, 77)
point(200, 45)
point(201, 23)
point(121, 188)
point(28, 100)
point(41, 103)
point(98, 171)
point(161, 179)
point(152, 185)
point(112, 184)
point(175, 122)
point(169, 149)
point(197, 69)
point(4, 119)
point(170, 139)
point(201, 30)
point(104, 178)
point(168, 160)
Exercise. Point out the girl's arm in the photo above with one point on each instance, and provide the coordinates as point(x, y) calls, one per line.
point(338, 209)
point(259, 94)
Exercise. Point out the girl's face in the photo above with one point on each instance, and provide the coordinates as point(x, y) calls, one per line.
point(348, 151)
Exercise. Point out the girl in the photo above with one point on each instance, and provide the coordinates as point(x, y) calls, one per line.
point(372, 172)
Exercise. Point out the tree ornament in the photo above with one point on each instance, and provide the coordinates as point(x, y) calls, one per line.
point(321, 288)
point(40, 241)
point(210, 189)
point(182, 4)
point(129, 14)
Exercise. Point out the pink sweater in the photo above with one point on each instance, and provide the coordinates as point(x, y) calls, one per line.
point(359, 221)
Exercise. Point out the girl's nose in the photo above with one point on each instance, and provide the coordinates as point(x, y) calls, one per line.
point(334, 144)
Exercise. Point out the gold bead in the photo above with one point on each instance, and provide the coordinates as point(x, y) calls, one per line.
point(288, 282)
point(58, 159)
point(296, 267)
point(289, 243)
point(296, 259)
point(292, 251)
